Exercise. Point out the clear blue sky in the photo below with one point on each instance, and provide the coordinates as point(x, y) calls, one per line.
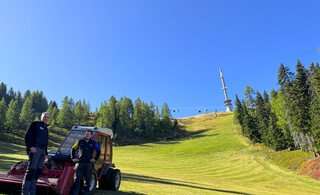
point(158, 50)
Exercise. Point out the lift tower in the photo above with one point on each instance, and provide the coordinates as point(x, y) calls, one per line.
point(227, 102)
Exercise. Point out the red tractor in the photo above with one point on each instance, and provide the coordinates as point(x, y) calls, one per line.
point(57, 176)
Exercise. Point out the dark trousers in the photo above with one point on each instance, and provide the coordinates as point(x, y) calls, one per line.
point(33, 172)
point(82, 170)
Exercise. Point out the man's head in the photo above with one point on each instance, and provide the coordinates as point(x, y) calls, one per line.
point(45, 117)
point(88, 134)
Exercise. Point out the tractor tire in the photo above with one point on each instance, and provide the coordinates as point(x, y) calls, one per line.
point(111, 181)
point(93, 183)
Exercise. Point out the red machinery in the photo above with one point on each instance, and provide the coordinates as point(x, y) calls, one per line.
point(57, 176)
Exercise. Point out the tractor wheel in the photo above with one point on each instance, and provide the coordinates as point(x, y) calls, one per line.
point(93, 183)
point(111, 181)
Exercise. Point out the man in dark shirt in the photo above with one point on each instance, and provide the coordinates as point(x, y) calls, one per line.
point(36, 140)
point(83, 168)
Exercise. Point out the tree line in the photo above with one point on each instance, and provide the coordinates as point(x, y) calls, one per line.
point(128, 119)
point(288, 117)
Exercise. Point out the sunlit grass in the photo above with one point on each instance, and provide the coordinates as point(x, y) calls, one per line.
point(218, 160)
point(215, 159)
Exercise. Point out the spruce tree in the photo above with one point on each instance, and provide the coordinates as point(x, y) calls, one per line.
point(53, 111)
point(275, 135)
point(10, 94)
point(262, 119)
point(300, 101)
point(166, 119)
point(315, 104)
point(3, 110)
point(86, 112)
point(12, 116)
point(125, 106)
point(238, 113)
point(19, 99)
point(112, 115)
point(102, 115)
point(39, 103)
point(278, 107)
point(26, 114)
point(78, 113)
point(26, 94)
point(138, 119)
point(65, 117)
point(157, 121)
point(3, 91)
point(249, 125)
point(148, 120)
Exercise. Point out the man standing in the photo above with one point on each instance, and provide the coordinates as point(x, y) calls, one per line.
point(36, 140)
point(83, 168)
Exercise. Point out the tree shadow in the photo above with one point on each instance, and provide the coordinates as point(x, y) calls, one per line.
point(179, 135)
point(187, 135)
point(148, 179)
point(6, 162)
point(100, 192)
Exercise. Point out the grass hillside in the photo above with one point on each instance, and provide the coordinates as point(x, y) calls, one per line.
point(215, 159)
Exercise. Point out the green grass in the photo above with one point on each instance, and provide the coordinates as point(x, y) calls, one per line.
point(214, 159)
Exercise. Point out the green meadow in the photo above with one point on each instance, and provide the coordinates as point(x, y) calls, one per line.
point(213, 159)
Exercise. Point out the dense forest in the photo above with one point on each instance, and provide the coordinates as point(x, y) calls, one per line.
point(129, 120)
point(287, 118)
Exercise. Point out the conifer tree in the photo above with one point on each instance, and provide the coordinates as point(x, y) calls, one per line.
point(12, 116)
point(148, 120)
point(3, 110)
point(166, 123)
point(315, 104)
point(279, 109)
point(300, 101)
point(53, 111)
point(19, 99)
point(26, 114)
point(138, 118)
point(86, 112)
point(78, 113)
point(125, 107)
point(66, 116)
point(26, 94)
point(39, 103)
point(262, 119)
point(275, 135)
point(249, 98)
point(157, 121)
point(102, 115)
point(249, 125)
point(112, 115)
point(3, 91)
point(10, 94)
point(239, 115)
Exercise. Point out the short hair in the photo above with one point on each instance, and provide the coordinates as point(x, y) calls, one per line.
point(43, 114)
point(88, 130)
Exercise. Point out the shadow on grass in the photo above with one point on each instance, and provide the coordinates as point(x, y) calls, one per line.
point(6, 162)
point(186, 135)
point(148, 179)
point(99, 192)
point(180, 135)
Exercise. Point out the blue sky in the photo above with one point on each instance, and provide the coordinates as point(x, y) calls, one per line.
point(158, 50)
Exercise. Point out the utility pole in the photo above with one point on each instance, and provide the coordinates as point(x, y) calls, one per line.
point(227, 102)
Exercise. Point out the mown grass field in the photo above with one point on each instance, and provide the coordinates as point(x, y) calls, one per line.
point(216, 159)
